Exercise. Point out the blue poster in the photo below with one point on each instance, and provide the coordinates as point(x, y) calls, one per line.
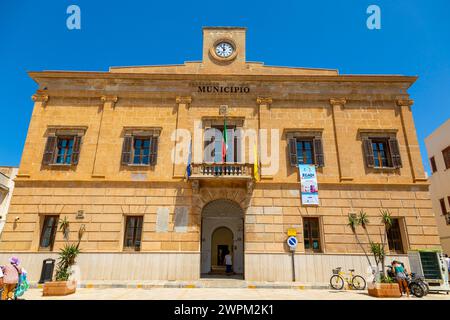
point(308, 184)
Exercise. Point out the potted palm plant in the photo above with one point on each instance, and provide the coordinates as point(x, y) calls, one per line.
point(63, 284)
point(383, 285)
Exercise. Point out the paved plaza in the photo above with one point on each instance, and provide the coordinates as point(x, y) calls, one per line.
point(215, 294)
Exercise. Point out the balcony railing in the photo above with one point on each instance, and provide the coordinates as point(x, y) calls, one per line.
point(222, 170)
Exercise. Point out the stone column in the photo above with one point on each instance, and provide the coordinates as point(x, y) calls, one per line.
point(103, 138)
point(341, 133)
point(264, 104)
point(412, 145)
point(182, 122)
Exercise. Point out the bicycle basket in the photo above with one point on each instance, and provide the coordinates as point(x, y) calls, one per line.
point(335, 271)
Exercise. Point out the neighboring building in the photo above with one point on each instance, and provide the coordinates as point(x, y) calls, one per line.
point(99, 152)
point(7, 175)
point(438, 148)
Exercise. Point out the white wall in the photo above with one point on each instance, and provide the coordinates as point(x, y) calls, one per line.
point(5, 198)
point(440, 180)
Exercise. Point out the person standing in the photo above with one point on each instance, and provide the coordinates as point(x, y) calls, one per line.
point(228, 263)
point(401, 276)
point(11, 274)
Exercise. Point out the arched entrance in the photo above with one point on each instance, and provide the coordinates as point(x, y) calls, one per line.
point(222, 230)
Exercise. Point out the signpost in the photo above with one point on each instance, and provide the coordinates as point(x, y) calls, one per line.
point(292, 243)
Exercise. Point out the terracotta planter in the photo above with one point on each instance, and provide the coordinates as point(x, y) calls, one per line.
point(384, 290)
point(59, 288)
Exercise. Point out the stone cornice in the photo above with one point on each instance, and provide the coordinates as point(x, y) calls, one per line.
point(41, 75)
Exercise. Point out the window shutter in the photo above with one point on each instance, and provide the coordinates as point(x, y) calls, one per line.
point(153, 150)
point(318, 152)
point(293, 152)
point(126, 150)
point(49, 151)
point(368, 152)
point(76, 149)
point(395, 153)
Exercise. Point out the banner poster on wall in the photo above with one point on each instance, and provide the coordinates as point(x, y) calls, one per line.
point(308, 184)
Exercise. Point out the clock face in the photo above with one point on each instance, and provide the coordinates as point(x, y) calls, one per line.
point(224, 49)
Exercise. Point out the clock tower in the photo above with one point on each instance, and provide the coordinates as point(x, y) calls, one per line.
point(224, 47)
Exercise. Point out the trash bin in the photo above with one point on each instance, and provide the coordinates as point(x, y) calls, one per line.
point(47, 270)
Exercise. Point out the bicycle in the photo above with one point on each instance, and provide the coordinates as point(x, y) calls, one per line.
point(338, 279)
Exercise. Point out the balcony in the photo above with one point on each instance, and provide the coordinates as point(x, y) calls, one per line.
point(222, 172)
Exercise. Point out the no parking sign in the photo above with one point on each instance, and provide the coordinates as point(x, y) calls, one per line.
point(292, 242)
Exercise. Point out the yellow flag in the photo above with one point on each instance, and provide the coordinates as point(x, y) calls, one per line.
point(255, 163)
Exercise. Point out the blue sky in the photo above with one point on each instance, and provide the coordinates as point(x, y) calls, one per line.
point(414, 40)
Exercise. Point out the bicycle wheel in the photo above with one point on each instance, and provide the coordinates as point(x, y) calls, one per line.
point(358, 283)
point(425, 287)
point(417, 290)
point(337, 282)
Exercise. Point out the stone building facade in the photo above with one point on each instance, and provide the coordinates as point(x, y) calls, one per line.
point(99, 152)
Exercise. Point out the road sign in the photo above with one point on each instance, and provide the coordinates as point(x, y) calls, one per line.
point(292, 242)
point(292, 232)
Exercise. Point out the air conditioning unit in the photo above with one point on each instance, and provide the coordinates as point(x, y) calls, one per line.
point(430, 265)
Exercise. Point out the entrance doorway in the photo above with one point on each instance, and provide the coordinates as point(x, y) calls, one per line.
point(221, 244)
point(222, 231)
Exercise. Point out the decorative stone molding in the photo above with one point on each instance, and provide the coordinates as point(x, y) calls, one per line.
point(264, 100)
point(111, 99)
point(338, 101)
point(43, 98)
point(405, 102)
point(187, 100)
point(250, 186)
point(195, 186)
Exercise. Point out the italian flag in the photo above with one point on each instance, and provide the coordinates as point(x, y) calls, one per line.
point(224, 141)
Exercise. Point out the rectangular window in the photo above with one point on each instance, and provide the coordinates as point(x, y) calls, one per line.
point(311, 234)
point(381, 153)
point(48, 232)
point(446, 155)
point(433, 164)
point(305, 151)
point(394, 236)
point(141, 151)
point(218, 141)
point(64, 150)
point(133, 232)
point(443, 208)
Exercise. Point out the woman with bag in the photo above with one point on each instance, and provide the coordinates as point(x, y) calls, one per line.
point(11, 275)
